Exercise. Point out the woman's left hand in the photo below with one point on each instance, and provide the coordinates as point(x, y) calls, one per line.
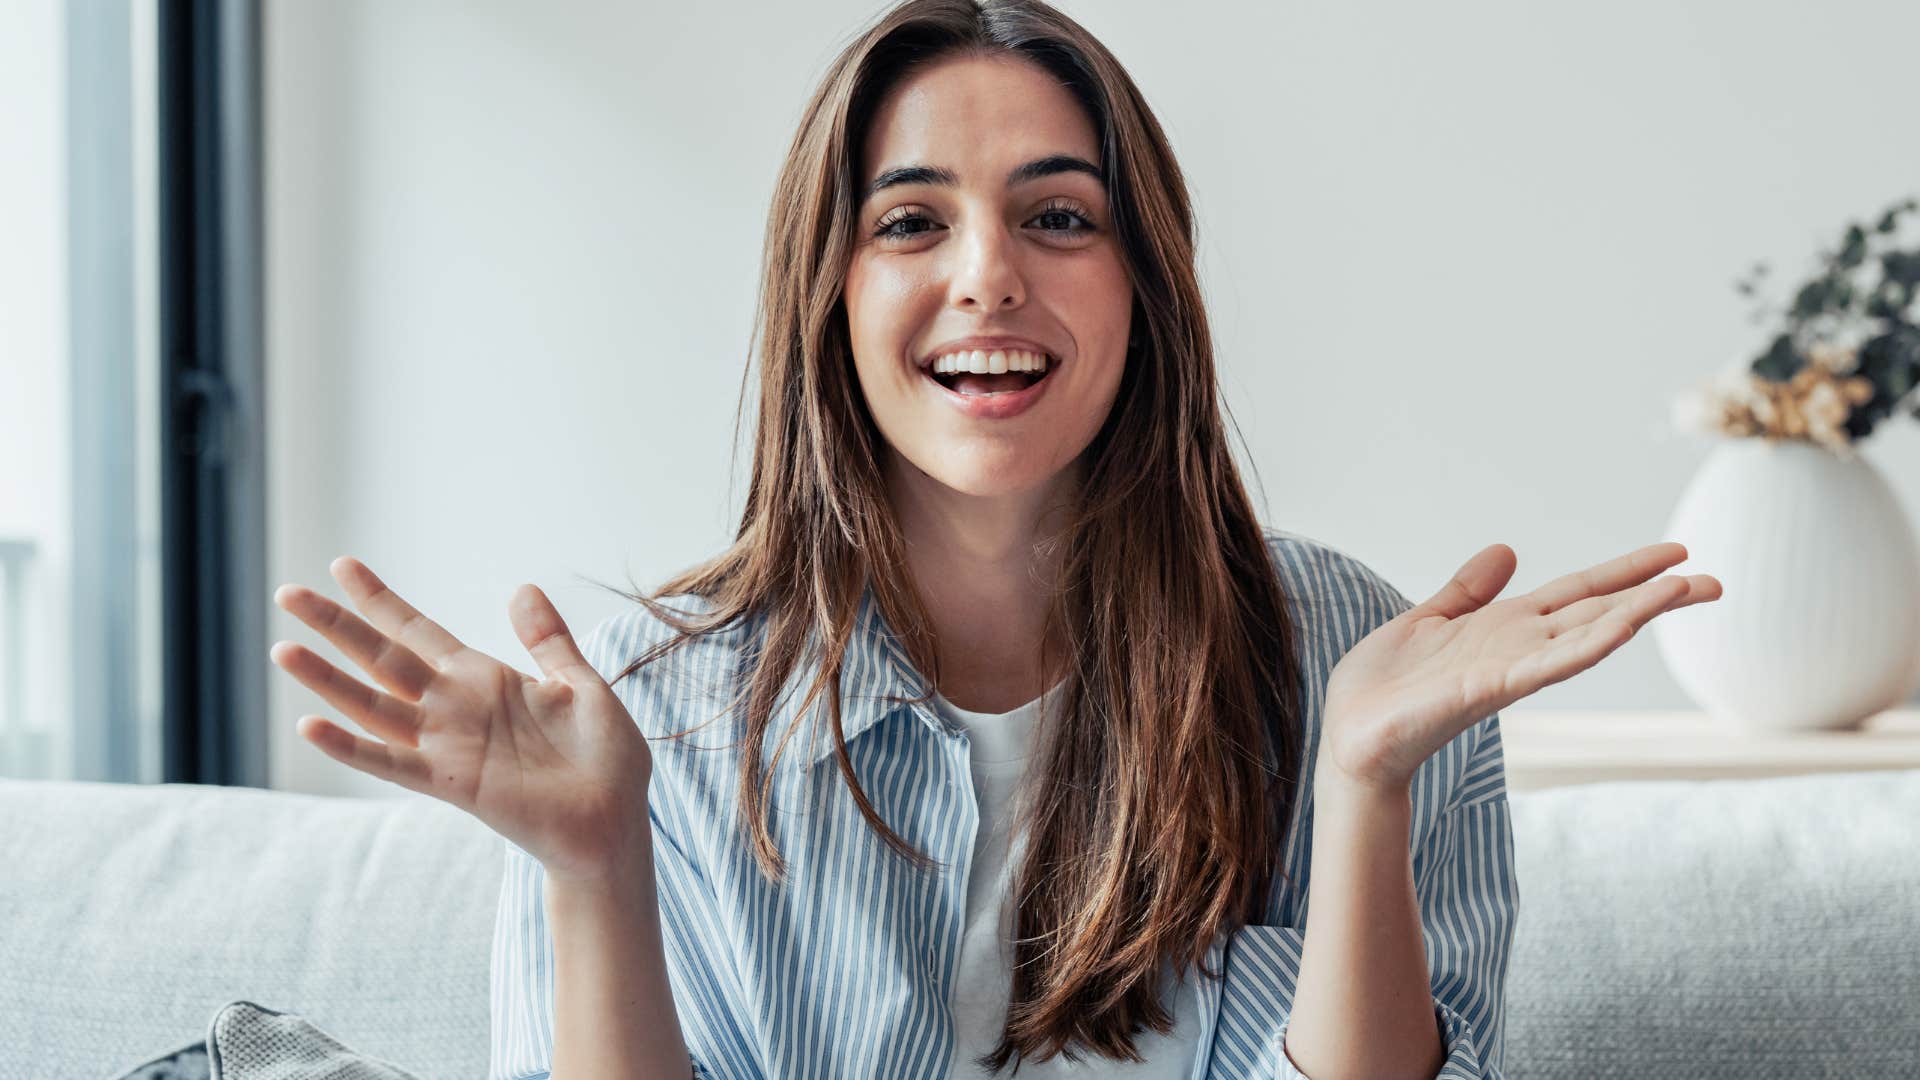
point(1407, 689)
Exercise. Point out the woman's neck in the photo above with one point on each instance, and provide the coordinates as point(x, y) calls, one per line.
point(977, 565)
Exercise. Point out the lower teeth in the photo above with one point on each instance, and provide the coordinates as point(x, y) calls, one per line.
point(990, 393)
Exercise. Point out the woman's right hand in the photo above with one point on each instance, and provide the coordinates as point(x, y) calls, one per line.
point(556, 765)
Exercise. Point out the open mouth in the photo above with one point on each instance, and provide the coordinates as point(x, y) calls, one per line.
point(979, 384)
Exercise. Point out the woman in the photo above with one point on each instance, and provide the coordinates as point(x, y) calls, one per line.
point(1079, 743)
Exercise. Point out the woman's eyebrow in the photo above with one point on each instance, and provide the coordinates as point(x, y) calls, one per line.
point(1050, 165)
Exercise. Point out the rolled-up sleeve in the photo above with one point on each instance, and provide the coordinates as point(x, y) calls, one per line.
point(1468, 897)
point(521, 982)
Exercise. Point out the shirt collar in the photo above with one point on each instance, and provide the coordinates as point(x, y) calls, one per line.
point(876, 680)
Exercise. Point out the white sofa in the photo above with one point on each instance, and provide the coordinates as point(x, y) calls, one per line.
point(1745, 928)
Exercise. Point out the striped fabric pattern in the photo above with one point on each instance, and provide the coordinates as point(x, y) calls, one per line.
point(843, 971)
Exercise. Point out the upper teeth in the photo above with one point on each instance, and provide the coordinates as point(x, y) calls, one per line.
point(996, 362)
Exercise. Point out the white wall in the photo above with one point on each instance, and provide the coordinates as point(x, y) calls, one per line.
point(1463, 253)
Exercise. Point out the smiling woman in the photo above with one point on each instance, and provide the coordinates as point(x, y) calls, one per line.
point(999, 569)
point(1059, 695)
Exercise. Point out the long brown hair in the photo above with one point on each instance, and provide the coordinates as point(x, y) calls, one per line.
point(1164, 785)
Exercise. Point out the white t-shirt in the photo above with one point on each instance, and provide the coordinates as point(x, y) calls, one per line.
point(1001, 745)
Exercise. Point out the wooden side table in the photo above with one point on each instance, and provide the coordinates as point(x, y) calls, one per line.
point(1550, 748)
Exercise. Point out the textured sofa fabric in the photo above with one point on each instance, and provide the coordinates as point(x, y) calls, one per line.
point(1719, 928)
point(1745, 928)
point(132, 913)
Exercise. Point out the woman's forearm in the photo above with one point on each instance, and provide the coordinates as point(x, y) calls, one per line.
point(1362, 1005)
point(612, 1003)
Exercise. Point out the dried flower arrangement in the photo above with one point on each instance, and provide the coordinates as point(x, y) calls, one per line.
point(1846, 355)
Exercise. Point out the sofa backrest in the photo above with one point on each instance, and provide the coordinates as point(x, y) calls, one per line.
point(132, 912)
point(1729, 928)
point(1718, 928)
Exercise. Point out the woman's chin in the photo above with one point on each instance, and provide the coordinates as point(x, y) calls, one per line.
point(989, 477)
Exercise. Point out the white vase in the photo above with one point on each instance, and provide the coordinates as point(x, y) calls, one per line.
point(1819, 624)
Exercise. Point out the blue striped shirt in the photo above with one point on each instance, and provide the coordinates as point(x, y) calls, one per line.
point(845, 972)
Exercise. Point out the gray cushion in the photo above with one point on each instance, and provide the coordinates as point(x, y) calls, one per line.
point(248, 1041)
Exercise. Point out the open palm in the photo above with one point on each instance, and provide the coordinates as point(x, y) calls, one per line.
point(555, 765)
point(1416, 682)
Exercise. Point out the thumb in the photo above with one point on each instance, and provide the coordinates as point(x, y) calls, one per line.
point(1474, 585)
point(543, 631)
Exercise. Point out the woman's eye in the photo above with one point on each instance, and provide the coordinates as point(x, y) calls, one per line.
point(1061, 215)
point(1059, 219)
point(891, 230)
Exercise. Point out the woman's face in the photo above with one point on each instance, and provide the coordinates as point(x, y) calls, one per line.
point(990, 220)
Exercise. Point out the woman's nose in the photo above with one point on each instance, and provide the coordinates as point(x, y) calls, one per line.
point(986, 277)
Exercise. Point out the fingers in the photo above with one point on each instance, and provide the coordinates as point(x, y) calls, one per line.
point(392, 664)
point(394, 616)
point(544, 632)
point(1609, 577)
point(388, 717)
point(1610, 622)
point(1662, 594)
point(408, 768)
